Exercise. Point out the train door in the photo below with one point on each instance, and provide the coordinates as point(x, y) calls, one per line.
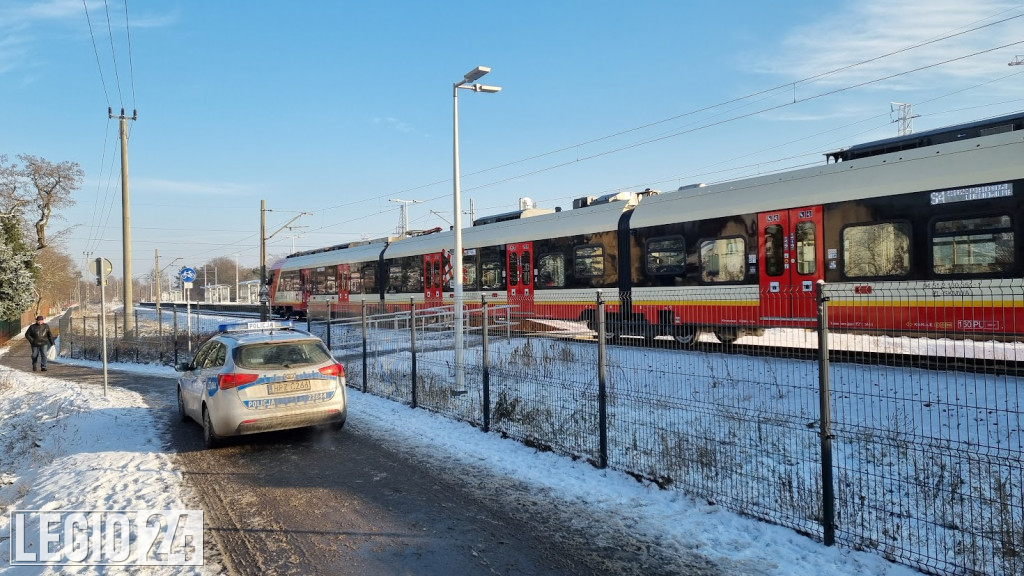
point(519, 264)
point(344, 277)
point(792, 261)
point(433, 278)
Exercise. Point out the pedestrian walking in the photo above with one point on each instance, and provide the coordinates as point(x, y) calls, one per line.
point(40, 339)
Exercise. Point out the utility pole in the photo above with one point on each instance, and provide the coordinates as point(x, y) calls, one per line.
point(264, 290)
point(905, 118)
point(126, 240)
point(404, 230)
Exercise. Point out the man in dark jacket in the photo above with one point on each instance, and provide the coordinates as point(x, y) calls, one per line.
point(40, 339)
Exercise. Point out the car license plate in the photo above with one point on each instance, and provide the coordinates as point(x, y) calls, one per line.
point(286, 387)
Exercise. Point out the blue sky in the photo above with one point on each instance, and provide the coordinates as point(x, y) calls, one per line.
point(336, 107)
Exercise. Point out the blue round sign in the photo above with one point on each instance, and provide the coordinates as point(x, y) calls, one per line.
point(187, 274)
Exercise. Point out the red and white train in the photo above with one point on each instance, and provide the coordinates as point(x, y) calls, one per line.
point(913, 235)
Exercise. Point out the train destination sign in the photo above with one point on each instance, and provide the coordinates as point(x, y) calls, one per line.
point(972, 193)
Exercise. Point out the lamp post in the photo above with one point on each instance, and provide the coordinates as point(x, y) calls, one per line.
point(468, 82)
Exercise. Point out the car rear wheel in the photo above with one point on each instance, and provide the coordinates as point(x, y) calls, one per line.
point(210, 438)
point(181, 407)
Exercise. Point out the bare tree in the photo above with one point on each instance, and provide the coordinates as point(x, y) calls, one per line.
point(51, 188)
point(57, 276)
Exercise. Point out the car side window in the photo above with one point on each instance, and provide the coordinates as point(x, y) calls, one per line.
point(204, 353)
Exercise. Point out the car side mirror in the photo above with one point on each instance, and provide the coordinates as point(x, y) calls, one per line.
point(184, 367)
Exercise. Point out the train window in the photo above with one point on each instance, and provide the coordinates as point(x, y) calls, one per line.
point(323, 280)
point(589, 261)
point(774, 255)
point(972, 245)
point(435, 274)
point(666, 255)
point(490, 275)
point(876, 250)
point(469, 274)
point(290, 281)
point(513, 269)
point(369, 279)
point(723, 260)
point(551, 271)
point(526, 264)
point(355, 282)
point(805, 248)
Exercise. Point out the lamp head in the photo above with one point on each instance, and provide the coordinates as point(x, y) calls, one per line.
point(475, 74)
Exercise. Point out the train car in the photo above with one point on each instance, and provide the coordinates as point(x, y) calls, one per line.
point(342, 276)
point(921, 240)
point(922, 227)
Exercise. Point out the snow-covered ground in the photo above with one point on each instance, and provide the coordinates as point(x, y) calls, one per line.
point(64, 446)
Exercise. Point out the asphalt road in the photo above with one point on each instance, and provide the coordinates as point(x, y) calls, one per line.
point(341, 503)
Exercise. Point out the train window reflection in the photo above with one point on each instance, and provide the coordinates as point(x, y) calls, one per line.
point(513, 269)
point(973, 245)
point(526, 264)
point(666, 255)
point(723, 260)
point(877, 250)
point(551, 271)
point(490, 275)
point(589, 261)
point(805, 248)
point(774, 255)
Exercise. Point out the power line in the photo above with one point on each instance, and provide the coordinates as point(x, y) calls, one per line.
point(764, 92)
point(113, 55)
point(131, 65)
point(97, 52)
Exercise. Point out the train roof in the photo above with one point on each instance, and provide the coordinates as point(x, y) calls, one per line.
point(986, 159)
point(590, 219)
point(987, 127)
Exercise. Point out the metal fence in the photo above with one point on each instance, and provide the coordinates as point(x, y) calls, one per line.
point(915, 454)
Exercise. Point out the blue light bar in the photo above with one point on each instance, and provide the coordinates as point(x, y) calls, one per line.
point(253, 326)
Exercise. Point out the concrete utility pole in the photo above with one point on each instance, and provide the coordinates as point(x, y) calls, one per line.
point(126, 240)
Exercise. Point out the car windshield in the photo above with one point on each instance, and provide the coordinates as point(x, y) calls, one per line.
point(276, 355)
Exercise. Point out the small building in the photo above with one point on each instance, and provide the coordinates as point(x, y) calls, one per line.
point(216, 293)
point(249, 292)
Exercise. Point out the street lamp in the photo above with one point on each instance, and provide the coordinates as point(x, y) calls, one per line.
point(468, 82)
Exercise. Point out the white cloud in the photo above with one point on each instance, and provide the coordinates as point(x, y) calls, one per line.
point(859, 31)
point(394, 123)
point(178, 187)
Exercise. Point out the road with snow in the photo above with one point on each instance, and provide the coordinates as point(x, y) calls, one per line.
point(351, 502)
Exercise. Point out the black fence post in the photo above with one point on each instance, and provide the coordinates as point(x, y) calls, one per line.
point(486, 365)
point(174, 332)
point(602, 399)
point(137, 335)
point(827, 482)
point(412, 342)
point(329, 325)
point(365, 375)
point(116, 347)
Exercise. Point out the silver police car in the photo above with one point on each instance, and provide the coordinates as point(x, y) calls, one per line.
point(258, 377)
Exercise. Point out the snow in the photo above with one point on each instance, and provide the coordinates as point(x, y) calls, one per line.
point(66, 446)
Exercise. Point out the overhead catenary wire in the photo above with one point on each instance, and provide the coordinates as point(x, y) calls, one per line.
point(759, 93)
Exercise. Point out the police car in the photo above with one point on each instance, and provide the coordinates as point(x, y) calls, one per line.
point(258, 377)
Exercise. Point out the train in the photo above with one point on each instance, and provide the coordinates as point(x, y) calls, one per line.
point(913, 235)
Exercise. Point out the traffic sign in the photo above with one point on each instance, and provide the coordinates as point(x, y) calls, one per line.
point(264, 295)
point(94, 266)
point(187, 274)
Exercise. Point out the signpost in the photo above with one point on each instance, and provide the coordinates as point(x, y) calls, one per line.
point(102, 267)
point(188, 276)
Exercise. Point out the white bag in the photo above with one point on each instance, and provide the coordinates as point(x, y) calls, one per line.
point(51, 352)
